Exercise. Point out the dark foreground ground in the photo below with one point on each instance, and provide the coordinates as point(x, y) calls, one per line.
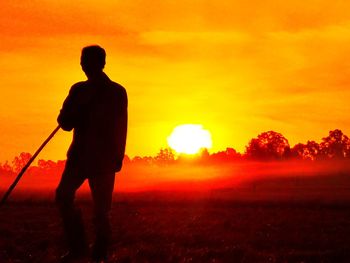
point(164, 229)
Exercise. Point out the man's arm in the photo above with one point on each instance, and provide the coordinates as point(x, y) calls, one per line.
point(68, 116)
point(122, 129)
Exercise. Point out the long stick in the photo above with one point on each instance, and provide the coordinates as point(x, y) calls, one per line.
point(13, 185)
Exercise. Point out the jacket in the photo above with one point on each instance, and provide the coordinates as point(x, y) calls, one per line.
point(97, 112)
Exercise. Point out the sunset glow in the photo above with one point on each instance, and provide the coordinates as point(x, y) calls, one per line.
point(237, 67)
point(189, 139)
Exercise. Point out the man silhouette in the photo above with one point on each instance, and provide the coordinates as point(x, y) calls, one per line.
point(97, 111)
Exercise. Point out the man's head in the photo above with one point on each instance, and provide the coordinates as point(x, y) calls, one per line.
point(93, 60)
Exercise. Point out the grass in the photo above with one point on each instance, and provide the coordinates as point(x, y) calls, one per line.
point(155, 227)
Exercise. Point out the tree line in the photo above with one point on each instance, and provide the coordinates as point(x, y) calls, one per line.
point(267, 146)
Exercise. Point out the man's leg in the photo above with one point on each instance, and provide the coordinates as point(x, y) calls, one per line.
point(101, 187)
point(71, 216)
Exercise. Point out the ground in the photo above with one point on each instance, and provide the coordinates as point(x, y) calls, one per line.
point(163, 228)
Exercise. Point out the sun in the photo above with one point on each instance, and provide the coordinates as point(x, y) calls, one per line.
point(189, 138)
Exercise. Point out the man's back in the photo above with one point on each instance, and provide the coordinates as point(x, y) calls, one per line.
point(98, 112)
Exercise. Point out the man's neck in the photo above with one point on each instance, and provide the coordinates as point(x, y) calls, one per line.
point(96, 76)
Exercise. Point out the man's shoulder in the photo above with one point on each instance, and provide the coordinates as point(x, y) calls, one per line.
point(77, 87)
point(118, 88)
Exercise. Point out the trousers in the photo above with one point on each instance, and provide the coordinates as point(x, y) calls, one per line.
point(101, 187)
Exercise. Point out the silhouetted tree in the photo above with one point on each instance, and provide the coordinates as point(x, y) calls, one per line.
point(308, 151)
point(20, 161)
point(335, 145)
point(145, 160)
point(228, 155)
point(204, 153)
point(47, 165)
point(268, 145)
point(165, 156)
point(5, 167)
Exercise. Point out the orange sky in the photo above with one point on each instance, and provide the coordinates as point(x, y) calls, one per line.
point(236, 67)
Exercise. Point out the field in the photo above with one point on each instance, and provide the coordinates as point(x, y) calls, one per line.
point(250, 212)
point(189, 227)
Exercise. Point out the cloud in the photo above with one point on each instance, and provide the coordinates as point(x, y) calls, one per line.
point(50, 18)
point(185, 37)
